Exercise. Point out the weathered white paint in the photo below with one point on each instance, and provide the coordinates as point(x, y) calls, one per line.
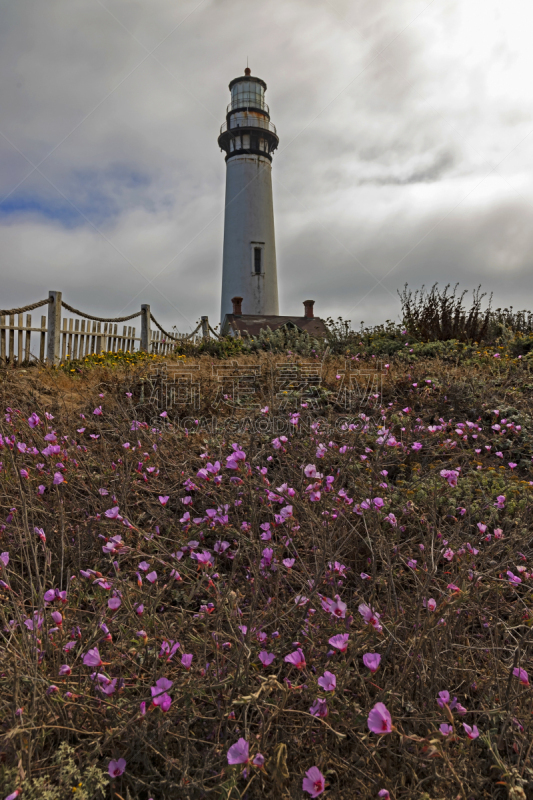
point(249, 220)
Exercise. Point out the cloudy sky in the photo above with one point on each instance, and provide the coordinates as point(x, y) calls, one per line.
point(406, 144)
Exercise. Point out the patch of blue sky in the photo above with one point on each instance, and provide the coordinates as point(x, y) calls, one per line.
point(18, 206)
point(92, 196)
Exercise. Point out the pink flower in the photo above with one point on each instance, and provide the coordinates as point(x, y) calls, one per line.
point(319, 708)
point(328, 682)
point(514, 580)
point(58, 478)
point(238, 752)
point(379, 719)
point(443, 699)
point(340, 641)
point(432, 604)
point(522, 675)
point(164, 701)
point(451, 476)
point(448, 554)
point(445, 729)
point(92, 658)
point(265, 658)
point(114, 603)
point(372, 661)
point(297, 659)
point(335, 607)
point(161, 685)
point(112, 513)
point(33, 420)
point(314, 782)
point(98, 412)
point(259, 760)
point(471, 732)
point(163, 499)
point(370, 616)
point(186, 660)
point(64, 670)
point(117, 768)
point(152, 577)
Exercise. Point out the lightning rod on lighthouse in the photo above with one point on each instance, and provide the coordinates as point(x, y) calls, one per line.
point(249, 138)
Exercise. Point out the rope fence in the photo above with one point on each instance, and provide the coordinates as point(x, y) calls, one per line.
point(99, 319)
point(61, 339)
point(170, 336)
point(22, 310)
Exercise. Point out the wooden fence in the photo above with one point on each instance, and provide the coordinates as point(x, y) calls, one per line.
point(59, 339)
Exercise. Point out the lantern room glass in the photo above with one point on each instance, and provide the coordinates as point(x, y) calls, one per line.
point(247, 94)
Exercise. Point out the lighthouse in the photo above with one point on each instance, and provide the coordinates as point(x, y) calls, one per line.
point(249, 138)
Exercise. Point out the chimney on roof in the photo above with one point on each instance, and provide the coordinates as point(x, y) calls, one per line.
point(237, 306)
point(308, 304)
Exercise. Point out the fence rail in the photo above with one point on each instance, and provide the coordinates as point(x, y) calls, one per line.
point(59, 339)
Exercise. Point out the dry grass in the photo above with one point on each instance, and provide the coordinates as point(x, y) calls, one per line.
point(468, 646)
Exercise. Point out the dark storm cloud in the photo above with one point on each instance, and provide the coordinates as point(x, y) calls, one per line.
point(403, 150)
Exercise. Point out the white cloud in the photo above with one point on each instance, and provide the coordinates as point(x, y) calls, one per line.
point(406, 134)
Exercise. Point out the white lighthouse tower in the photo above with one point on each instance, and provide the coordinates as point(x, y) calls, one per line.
point(249, 262)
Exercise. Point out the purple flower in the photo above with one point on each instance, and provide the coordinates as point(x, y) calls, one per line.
point(314, 782)
point(328, 682)
point(319, 708)
point(297, 659)
point(238, 752)
point(443, 699)
point(265, 658)
point(335, 607)
point(112, 513)
point(522, 675)
point(114, 603)
point(161, 685)
point(372, 661)
point(58, 478)
point(340, 641)
point(445, 729)
point(370, 616)
point(186, 660)
point(117, 768)
point(92, 658)
point(471, 732)
point(379, 719)
point(163, 499)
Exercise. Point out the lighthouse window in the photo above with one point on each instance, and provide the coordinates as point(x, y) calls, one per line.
point(257, 260)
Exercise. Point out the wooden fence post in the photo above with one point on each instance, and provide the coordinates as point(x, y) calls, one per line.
point(205, 328)
point(145, 328)
point(54, 327)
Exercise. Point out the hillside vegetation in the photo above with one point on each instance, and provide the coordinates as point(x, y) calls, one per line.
point(296, 600)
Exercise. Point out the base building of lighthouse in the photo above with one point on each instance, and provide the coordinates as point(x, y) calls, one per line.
point(249, 269)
